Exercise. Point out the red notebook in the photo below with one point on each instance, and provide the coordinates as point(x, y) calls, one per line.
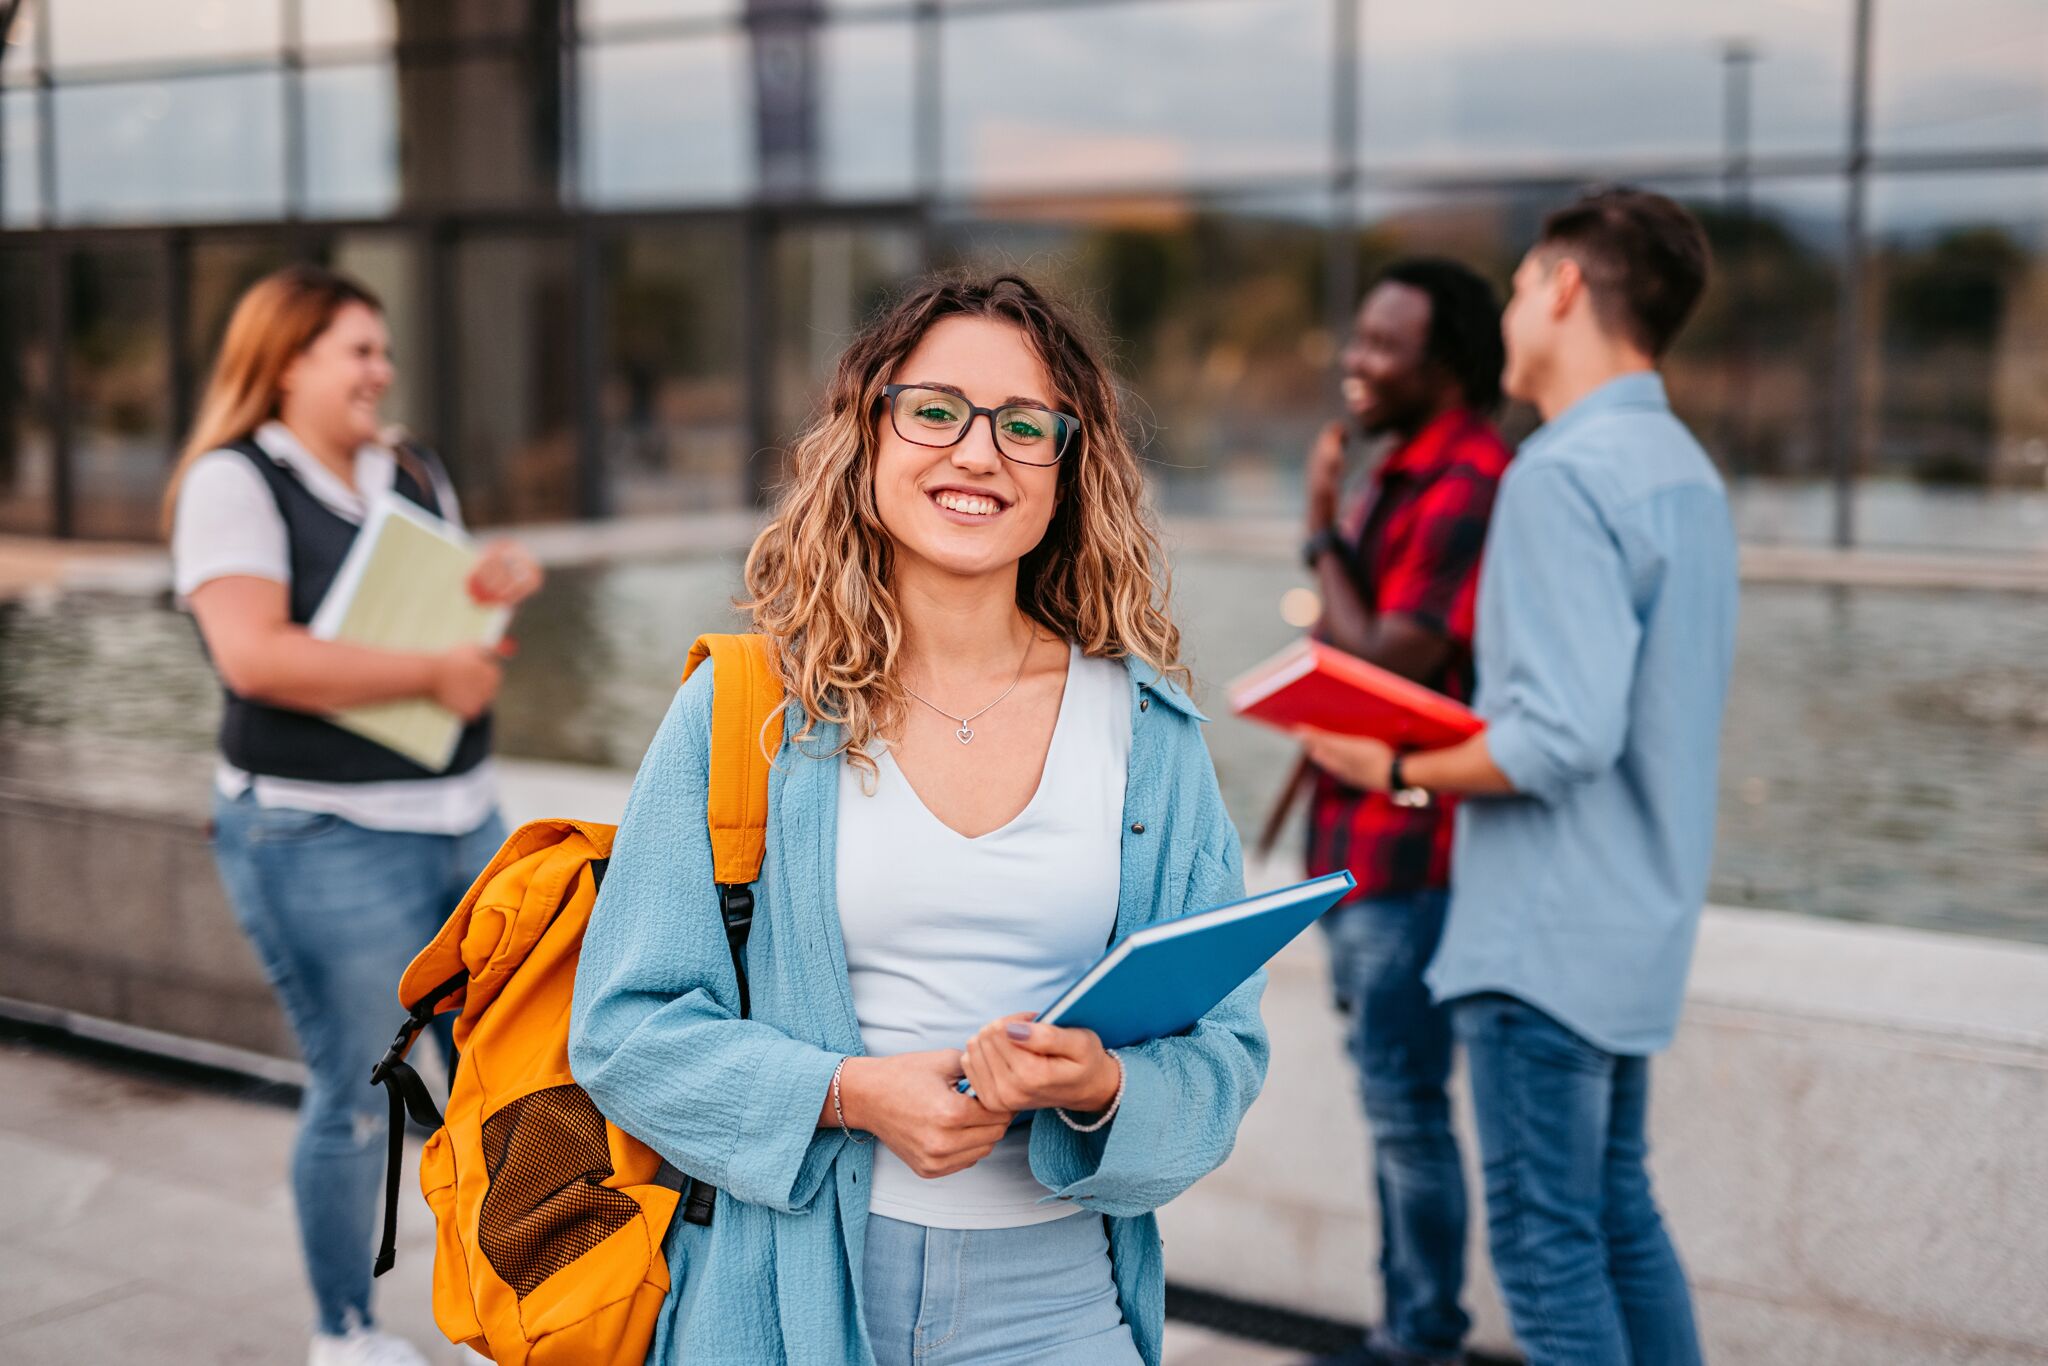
point(1313, 684)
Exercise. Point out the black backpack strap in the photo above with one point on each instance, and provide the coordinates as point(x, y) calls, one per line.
point(408, 1096)
point(736, 908)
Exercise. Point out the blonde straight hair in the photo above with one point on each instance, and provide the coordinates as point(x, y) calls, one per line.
point(818, 579)
point(274, 322)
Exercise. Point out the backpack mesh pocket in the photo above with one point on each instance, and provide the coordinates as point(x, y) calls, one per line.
point(545, 1156)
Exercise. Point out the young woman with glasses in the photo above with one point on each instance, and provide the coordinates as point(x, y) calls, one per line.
point(992, 771)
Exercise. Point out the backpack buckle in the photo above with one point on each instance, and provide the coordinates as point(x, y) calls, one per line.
point(736, 904)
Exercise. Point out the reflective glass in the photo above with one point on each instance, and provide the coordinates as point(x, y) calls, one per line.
point(193, 148)
point(118, 374)
point(672, 394)
point(514, 449)
point(27, 449)
point(348, 23)
point(22, 154)
point(389, 263)
point(1960, 276)
point(868, 101)
point(1950, 75)
point(597, 15)
point(668, 121)
point(1138, 96)
point(101, 32)
point(352, 141)
point(1504, 83)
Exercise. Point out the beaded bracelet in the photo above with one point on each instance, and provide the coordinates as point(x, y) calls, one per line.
point(1107, 1115)
point(837, 1112)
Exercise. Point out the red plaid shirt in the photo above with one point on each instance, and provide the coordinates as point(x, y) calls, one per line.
point(1415, 537)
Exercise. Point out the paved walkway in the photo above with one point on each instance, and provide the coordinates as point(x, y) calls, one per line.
point(142, 1220)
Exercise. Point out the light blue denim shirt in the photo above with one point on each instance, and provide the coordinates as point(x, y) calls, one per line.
point(1606, 628)
point(655, 1038)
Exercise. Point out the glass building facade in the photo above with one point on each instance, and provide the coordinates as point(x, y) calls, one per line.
point(621, 240)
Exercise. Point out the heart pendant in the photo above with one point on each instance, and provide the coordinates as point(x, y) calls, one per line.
point(964, 734)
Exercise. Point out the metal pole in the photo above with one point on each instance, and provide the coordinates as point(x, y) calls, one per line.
point(1738, 57)
point(1849, 436)
point(1341, 245)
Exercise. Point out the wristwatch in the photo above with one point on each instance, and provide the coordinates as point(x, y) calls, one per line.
point(1404, 793)
point(1324, 542)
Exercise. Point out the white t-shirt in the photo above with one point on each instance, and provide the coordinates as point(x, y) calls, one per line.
point(945, 933)
point(227, 524)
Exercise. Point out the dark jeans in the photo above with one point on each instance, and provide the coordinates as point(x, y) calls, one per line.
point(1588, 1273)
point(1401, 1043)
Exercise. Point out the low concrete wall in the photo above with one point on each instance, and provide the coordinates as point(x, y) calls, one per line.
point(1851, 1137)
point(1850, 1141)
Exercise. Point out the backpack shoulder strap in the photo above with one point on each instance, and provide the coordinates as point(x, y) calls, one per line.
point(746, 731)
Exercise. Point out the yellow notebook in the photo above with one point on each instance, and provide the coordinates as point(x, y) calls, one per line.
point(404, 586)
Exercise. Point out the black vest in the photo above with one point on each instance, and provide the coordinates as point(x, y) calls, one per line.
point(278, 742)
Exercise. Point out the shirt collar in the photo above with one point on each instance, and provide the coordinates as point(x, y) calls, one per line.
point(1151, 682)
point(1640, 391)
point(348, 500)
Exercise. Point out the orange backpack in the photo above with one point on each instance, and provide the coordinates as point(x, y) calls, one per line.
point(549, 1219)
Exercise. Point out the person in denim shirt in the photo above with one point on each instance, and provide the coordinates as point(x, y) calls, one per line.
point(1606, 627)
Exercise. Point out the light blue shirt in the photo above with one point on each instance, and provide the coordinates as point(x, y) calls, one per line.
point(1606, 628)
point(656, 1039)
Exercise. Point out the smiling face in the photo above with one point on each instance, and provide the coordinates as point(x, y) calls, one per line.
point(1389, 382)
point(333, 390)
point(964, 510)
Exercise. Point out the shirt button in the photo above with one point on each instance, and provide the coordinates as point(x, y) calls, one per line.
point(1144, 704)
point(1137, 827)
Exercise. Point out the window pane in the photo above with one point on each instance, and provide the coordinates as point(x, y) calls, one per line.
point(514, 451)
point(347, 23)
point(599, 14)
point(869, 81)
point(828, 278)
point(1140, 96)
point(1960, 76)
point(27, 451)
point(1960, 273)
point(102, 31)
point(221, 270)
point(119, 390)
point(18, 56)
point(209, 147)
point(351, 140)
point(668, 121)
point(1217, 316)
point(477, 132)
point(1505, 83)
point(673, 394)
point(22, 153)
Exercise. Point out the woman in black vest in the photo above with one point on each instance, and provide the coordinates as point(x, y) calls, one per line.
point(341, 858)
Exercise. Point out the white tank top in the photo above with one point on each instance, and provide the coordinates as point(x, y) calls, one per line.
point(945, 933)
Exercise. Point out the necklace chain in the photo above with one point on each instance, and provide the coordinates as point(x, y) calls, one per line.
point(965, 733)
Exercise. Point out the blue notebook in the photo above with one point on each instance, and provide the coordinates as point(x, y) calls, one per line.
point(1160, 980)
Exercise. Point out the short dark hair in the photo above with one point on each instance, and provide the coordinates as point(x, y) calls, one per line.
point(1464, 323)
point(1644, 257)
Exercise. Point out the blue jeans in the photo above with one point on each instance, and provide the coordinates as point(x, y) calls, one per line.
point(1589, 1275)
point(1041, 1295)
point(336, 912)
point(1401, 1043)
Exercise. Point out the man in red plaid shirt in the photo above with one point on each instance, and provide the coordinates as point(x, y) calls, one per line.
point(1398, 570)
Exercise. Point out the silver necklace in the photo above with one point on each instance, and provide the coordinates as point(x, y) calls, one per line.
point(965, 733)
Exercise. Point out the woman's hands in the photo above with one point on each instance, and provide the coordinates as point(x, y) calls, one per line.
point(1357, 761)
point(466, 678)
point(910, 1104)
point(505, 575)
point(1015, 1064)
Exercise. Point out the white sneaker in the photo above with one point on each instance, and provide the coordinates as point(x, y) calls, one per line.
point(362, 1346)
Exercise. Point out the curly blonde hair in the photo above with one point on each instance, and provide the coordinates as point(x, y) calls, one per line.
point(818, 579)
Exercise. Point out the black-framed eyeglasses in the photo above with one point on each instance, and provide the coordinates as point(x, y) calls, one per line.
point(1024, 432)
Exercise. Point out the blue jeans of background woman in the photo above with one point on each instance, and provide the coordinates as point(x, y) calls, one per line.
point(1040, 1295)
point(336, 912)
